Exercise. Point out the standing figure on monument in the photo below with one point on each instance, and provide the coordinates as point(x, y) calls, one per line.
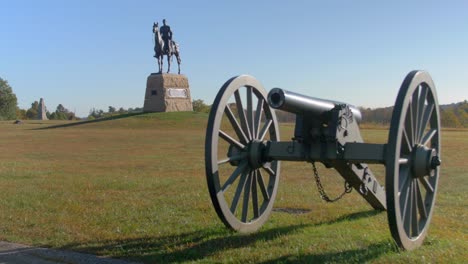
point(164, 45)
point(166, 35)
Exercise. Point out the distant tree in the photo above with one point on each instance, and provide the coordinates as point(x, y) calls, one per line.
point(462, 113)
point(53, 116)
point(122, 110)
point(95, 113)
point(200, 106)
point(20, 113)
point(8, 101)
point(111, 109)
point(449, 119)
point(32, 112)
point(61, 109)
point(61, 113)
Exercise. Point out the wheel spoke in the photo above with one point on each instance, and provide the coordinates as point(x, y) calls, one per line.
point(240, 110)
point(258, 116)
point(426, 117)
point(428, 136)
point(239, 169)
point(414, 110)
point(250, 117)
point(426, 184)
point(235, 125)
point(407, 208)
point(408, 142)
point(254, 194)
point(230, 159)
point(269, 170)
point(245, 206)
point(238, 193)
point(261, 184)
point(408, 128)
point(421, 110)
point(404, 178)
point(403, 161)
point(265, 128)
point(230, 140)
point(414, 212)
point(421, 206)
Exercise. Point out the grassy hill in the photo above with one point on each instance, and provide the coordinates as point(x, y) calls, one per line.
point(134, 187)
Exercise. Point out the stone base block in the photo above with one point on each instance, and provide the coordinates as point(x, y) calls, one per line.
point(167, 92)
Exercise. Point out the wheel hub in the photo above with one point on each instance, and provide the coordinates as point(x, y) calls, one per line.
point(253, 153)
point(255, 150)
point(424, 161)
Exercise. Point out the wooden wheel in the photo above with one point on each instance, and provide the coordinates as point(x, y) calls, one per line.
point(242, 186)
point(413, 159)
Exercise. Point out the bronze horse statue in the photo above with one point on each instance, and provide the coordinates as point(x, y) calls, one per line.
point(160, 50)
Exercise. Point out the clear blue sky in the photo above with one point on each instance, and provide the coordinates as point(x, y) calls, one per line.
point(87, 54)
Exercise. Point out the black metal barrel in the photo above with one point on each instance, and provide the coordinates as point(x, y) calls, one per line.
point(304, 105)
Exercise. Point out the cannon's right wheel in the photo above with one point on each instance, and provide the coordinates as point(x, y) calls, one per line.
point(413, 159)
point(242, 186)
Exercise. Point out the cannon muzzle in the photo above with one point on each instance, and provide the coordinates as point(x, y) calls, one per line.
point(304, 105)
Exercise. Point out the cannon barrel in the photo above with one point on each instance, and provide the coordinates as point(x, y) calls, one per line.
point(304, 105)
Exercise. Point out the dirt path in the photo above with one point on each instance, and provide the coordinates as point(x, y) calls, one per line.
point(22, 254)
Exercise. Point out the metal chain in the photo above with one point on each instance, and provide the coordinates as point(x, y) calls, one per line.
point(321, 190)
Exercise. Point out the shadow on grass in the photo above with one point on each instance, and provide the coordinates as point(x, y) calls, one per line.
point(193, 246)
point(90, 121)
point(181, 247)
point(348, 256)
point(349, 217)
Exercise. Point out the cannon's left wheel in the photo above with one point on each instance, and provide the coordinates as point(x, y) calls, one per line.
point(242, 186)
point(413, 159)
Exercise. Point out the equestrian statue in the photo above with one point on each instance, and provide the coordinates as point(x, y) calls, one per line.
point(164, 45)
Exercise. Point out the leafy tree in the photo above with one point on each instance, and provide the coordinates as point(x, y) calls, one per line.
point(449, 119)
point(95, 113)
point(20, 113)
point(8, 101)
point(32, 112)
point(61, 109)
point(111, 109)
point(62, 113)
point(200, 106)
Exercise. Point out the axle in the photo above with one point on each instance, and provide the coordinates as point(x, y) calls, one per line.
point(347, 161)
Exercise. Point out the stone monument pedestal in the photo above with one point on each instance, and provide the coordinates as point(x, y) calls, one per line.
point(166, 92)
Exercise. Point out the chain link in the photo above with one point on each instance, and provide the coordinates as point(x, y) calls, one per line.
point(321, 190)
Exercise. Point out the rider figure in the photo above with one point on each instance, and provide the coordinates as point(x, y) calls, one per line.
point(166, 35)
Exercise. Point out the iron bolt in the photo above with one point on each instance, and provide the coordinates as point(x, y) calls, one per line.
point(435, 162)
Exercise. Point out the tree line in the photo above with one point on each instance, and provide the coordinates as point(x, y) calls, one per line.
point(9, 109)
point(453, 115)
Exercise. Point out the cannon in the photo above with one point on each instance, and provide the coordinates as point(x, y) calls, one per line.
point(243, 151)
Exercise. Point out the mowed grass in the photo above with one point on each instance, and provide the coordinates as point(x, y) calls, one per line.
point(135, 188)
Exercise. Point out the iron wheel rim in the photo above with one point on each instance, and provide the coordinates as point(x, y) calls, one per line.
point(249, 180)
point(415, 124)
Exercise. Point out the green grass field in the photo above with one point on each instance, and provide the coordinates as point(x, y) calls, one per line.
point(135, 188)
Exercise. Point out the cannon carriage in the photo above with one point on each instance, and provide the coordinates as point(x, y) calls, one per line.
point(243, 153)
